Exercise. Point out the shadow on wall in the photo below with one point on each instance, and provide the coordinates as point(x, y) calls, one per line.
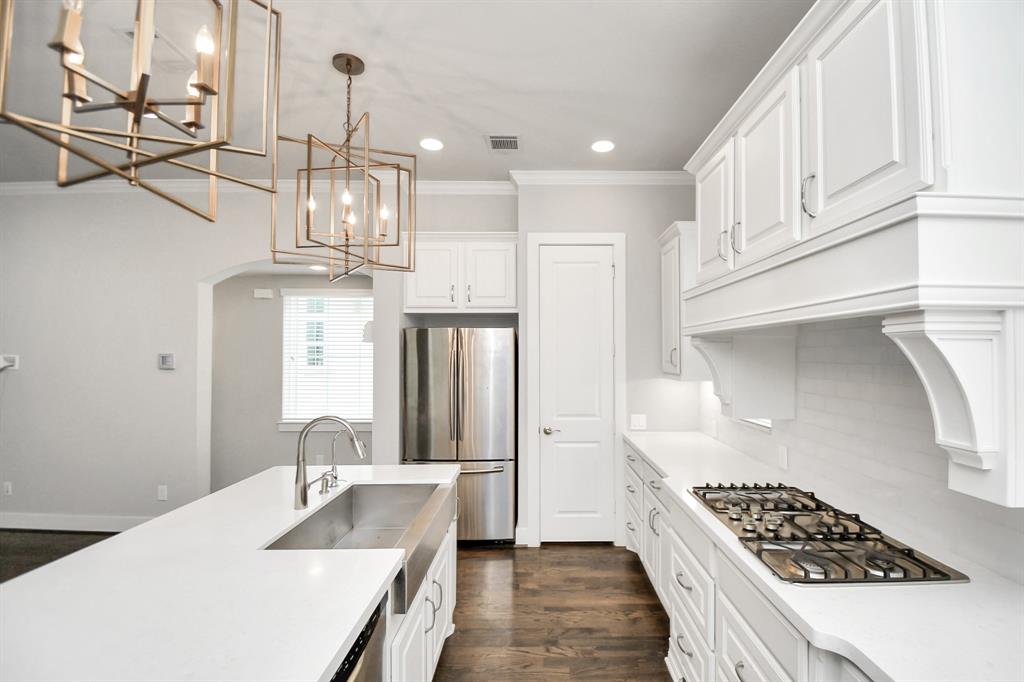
point(247, 433)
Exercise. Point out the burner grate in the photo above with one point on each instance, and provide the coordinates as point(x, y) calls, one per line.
point(804, 540)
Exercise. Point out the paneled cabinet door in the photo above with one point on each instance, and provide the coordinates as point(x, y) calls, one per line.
point(410, 649)
point(436, 282)
point(670, 330)
point(767, 175)
point(439, 587)
point(490, 274)
point(714, 189)
point(866, 116)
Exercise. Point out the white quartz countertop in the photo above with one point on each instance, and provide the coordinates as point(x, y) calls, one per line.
point(964, 631)
point(191, 595)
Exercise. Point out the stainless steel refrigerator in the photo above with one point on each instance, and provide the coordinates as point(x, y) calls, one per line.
point(459, 405)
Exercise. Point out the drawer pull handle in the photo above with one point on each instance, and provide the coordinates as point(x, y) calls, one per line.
point(654, 518)
point(630, 488)
point(631, 458)
point(679, 643)
point(433, 611)
point(679, 579)
point(739, 668)
point(654, 484)
point(630, 526)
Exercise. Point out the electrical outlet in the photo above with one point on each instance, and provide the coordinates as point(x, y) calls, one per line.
point(161, 493)
point(637, 422)
point(784, 458)
point(9, 362)
point(263, 293)
point(8, 488)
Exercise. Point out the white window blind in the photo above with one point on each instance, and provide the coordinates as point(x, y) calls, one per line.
point(327, 367)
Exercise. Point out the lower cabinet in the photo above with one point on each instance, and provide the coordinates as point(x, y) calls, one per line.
point(416, 646)
point(721, 628)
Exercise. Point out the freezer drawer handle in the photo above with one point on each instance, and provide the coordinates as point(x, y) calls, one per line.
point(492, 470)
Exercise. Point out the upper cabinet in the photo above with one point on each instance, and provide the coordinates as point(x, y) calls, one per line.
point(867, 134)
point(714, 195)
point(767, 192)
point(678, 271)
point(875, 167)
point(463, 272)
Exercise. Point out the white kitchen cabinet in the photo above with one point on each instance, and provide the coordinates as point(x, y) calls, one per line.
point(714, 196)
point(436, 284)
point(463, 272)
point(866, 115)
point(411, 648)
point(490, 274)
point(678, 272)
point(416, 646)
point(767, 175)
point(670, 303)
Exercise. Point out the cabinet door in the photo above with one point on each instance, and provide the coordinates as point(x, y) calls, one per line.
point(767, 175)
point(714, 189)
point(490, 274)
point(865, 113)
point(435, 283)
point(670, 328)
point(650, 543)
point(409, 653)
point(438, 584)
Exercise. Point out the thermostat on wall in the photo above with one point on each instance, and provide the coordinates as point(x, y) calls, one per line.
point(165, 361)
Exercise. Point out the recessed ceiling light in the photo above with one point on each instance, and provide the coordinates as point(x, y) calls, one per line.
point(603, 146)
point(431, 144)
point(318, 268)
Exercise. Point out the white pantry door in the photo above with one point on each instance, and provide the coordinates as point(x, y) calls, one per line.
point(577, 403)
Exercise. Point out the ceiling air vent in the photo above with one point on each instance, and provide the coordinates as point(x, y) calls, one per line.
point(503, 143)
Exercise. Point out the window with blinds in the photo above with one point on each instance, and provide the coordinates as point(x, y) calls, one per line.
point(327, 367)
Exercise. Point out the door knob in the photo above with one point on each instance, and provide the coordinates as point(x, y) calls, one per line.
point(548, 430)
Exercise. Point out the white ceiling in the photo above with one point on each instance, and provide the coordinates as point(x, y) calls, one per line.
point(652, 76)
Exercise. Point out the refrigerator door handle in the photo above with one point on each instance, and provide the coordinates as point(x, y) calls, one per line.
point(453, 384)
point(493, 470)
point(460, 364)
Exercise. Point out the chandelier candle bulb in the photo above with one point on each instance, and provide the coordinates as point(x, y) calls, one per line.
point(206, 62)
point(346, 197)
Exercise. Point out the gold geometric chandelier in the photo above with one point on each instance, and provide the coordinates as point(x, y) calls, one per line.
point(355, 205)
point(176, 111)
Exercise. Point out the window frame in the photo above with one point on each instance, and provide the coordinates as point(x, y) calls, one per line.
point(294, 425)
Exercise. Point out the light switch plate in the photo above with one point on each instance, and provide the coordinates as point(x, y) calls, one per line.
point(638, 422)
point(263, 293)
point(161, 493)
point(165, 361)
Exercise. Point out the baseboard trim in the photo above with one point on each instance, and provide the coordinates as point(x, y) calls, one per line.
point(79, 522)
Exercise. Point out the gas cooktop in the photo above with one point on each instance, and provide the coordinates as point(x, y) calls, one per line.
point(807, 541)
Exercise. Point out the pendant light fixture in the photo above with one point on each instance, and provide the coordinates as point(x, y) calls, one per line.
point(355, 205)
point(158, 130)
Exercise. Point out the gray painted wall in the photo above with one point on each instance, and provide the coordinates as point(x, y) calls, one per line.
point(247, 339)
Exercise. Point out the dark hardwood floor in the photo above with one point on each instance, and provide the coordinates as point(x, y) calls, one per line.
point(563, 611)
point(23, 550)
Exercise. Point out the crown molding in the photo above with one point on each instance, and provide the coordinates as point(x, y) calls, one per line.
point(678, 178)
point(200, 185)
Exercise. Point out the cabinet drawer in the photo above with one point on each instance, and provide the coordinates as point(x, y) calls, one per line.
point(699, 545)
point(688, 585)
point(691, 653)
point(634, 490)
point(633, 529)
point(633, 460)
point(778, 651)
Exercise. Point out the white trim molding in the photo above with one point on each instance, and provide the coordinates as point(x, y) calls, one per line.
point(971, 364)
point(286, 186)
point(295, 425)
point(566, 177)
point(70, 522)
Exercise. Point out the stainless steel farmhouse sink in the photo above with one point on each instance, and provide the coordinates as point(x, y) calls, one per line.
point(413, 517)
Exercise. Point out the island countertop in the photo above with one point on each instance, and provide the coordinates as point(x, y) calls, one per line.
point(191, 595)
point(970, 631)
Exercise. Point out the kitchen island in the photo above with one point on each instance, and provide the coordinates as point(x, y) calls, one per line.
point(192, 595)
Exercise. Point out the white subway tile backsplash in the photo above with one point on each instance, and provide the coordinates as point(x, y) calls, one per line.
point(864, 440)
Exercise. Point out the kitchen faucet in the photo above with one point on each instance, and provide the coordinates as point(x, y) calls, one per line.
point(301, 484)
